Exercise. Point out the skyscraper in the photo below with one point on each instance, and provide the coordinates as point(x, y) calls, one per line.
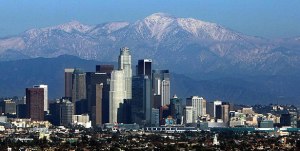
point(154, 117)
point(222, 112)
point(189, 114)
point(35, 103)
point(176, 106)
point(68, 82)
point(78, 87)
point(97, 95)
point(225, 112)
point(215, 104)
point(97, 85)
point(210, 109)
point(45, 87)
point(165, 91)
point(198, 103)
point(144, 67)
point(125, 64)
point(161, 85)
point(104, 71)
point(141, 99)
point(104, 68)
point(117, 94)
point(61, 112)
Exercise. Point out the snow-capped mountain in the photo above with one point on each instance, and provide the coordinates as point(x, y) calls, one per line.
point(171, 42)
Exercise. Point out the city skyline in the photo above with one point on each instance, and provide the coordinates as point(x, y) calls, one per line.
point(149, 75)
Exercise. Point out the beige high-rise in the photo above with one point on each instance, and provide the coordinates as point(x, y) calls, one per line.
point(117, 94)
point(125, 64)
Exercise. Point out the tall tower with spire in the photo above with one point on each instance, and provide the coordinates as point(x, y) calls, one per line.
point(125, 64)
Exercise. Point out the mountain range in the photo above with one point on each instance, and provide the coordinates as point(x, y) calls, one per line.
point(200, 50)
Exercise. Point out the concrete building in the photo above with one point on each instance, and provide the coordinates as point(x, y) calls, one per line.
point(8, 107)
point(215, 104)
point(125, 64)
point(78, 87)
point(144, 67)
point(141, 99)
point(189, 114)
point(198, 103)
point(154, 117)
point(210, 109)
point(176, 106)
point(68, 82)
point(161, 85)
point(83, 120)
point(225, 112)
point(222, 112)
point(61, 112)
point(46, 103)
point(98, 87)
point(165, 92)
point(104, 68)
point(117, 94)
point(35, 103)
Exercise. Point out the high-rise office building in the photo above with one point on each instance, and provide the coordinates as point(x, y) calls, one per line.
point(154, 117)
point(215, 104)
point(102, 76)
point(117, 94)
point(68, 82)
point(8, 107)
point(35, 103)
point(225, 112)
point(141, 99)
point(161, 85)
point(97, 109)
point(61, 112)
point(104, 68)
point(22, 111)
point(199, 105)
point(189, 114)
point(124, 112)
point(210, 109)
point(222, 112)
point(218, 112)
point(176, 106)
point(144, 67)
point(45, 87)
point(98, 87)
point(125, 64)
point(165, 91)
point(78, 87)
point(156, 101)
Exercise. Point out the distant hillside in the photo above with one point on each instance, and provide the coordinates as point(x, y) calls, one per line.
point(19, 74)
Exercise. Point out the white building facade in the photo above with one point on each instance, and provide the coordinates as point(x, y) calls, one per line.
point(125, 64)
point(117, 94)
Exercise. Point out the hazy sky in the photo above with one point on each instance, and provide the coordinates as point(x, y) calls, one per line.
point(265, 18)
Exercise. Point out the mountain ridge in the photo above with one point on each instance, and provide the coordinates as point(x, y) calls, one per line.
point(198, 49)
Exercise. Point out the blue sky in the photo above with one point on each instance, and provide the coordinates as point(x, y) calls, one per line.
point(265, 18)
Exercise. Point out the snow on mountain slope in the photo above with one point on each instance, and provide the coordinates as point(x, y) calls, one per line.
point(168, 40)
